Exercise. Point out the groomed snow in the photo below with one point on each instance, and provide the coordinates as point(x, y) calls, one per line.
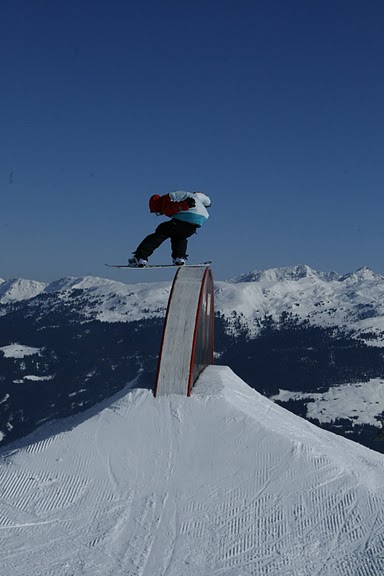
point(222, 483)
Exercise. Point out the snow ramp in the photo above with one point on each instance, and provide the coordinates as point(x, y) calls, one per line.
point(187, 342)
point(224, 483)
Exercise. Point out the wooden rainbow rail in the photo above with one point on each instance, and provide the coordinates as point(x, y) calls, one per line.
point(188, 335)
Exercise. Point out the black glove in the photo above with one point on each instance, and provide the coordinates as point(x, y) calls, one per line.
point(191, 202)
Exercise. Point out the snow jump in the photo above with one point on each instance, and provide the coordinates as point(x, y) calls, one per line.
point(187, 341)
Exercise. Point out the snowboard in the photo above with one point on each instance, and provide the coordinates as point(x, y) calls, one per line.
point(151, 266)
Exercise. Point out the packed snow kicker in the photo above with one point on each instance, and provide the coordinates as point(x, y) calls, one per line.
point(222, 483)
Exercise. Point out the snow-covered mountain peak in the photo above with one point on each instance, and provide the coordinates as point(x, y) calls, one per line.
point(16, 290)
point(361, 275)
point(284, 274)
point(354, 301)
point(69, 283)
point(111, 301)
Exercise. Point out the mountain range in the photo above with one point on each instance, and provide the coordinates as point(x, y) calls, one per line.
point(309, 340)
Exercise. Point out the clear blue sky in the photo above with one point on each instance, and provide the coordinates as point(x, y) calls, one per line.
point(274, 108)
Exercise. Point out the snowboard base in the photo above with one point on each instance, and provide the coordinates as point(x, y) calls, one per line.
point(148, 266)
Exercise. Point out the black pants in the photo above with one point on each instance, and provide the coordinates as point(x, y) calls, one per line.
point(177, 230)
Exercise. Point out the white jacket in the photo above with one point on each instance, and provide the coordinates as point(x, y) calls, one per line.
point(196, 215)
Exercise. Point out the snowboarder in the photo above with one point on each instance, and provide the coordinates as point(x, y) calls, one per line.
point(187, 210)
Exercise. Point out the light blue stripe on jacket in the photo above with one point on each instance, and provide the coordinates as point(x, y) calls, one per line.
point(197, 219)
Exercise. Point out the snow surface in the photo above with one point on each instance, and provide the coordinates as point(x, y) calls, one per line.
point(354, 301)
point(285, 273)
point(19, 350)
point(34, 378)
point(358, 402)
point(18, 289)
point(222, 483)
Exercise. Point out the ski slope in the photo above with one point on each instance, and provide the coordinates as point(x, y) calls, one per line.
point(224, 483)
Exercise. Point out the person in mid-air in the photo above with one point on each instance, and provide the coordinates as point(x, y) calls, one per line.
point(187, 210)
